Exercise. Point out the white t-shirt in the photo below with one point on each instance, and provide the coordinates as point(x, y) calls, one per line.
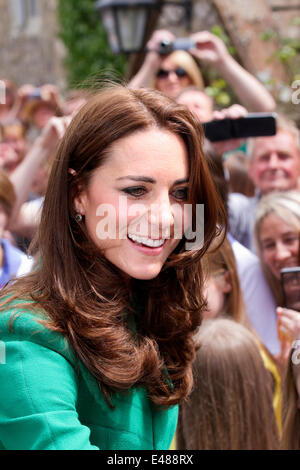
point(258, 298)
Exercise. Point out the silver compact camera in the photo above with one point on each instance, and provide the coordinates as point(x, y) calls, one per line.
point(166, 47)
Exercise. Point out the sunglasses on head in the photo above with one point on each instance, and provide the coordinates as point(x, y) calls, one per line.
point(179, 71)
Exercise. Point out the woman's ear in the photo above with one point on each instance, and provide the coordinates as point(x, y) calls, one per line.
point(226, 284)
point(79, 201)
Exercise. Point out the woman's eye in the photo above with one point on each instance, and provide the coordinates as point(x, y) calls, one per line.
point(290, 241)
point(268, 246)
point(181, 194)
point(136, 191)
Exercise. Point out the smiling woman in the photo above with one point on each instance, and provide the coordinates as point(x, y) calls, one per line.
point(104, 325)
point(277, 229)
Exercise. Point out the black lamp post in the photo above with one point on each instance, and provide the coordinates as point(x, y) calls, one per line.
point(126, 21)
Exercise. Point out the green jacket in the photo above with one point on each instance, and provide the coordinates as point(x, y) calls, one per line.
point(46, 403)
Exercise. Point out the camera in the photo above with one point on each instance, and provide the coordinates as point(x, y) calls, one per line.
point(166, 47)
point(36, 94)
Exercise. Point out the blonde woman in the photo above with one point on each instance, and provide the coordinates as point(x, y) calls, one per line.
point(277, 228)
point(167, 73)
point(208, 49)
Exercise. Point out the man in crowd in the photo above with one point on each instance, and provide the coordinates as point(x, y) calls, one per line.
point(274, 166)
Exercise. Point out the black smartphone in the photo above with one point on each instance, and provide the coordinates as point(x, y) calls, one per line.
point(290, 281)
point(252, 125)
point(166, 47)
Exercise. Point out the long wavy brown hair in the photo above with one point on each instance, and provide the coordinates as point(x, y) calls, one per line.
point(85, 297)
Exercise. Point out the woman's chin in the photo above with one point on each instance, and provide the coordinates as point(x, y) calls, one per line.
point(144, 274)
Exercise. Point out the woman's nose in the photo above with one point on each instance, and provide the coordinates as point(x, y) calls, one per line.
point(161, 219)
point(282, 252)
point(173, 76)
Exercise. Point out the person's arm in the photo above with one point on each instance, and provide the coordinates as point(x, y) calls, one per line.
point(21, 98)
point(38, 397)
point(24, 174)
point(251, 93)
point(146, 74)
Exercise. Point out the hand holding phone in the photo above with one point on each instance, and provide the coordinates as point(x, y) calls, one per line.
point(290, 281)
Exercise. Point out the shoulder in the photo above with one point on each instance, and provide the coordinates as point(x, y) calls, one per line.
point(238, 201)
point(21, 321)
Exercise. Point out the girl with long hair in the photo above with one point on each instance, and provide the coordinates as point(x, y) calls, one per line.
point(99, 338)
point(291, 402)
point(230, 407)
point(224, 298)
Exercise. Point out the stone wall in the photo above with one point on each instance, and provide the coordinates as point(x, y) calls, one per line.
point(33, 53)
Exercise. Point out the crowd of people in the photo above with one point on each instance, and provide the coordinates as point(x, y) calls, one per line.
point(118, 333)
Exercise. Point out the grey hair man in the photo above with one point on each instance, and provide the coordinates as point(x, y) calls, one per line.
point(274, 166)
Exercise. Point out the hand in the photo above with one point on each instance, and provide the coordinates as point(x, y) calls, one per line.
point(51, 93)
point(289, 322)
point(209, 48)
point(53, 132)
point(24, 92)
point(8, 158)
point(233, 112)
point(153, 44)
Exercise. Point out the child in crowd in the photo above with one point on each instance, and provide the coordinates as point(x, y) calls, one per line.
point(230, 407)
point(291, 402)
point(13, 262)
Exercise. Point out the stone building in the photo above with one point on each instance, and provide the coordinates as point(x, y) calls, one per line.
point(30, 51)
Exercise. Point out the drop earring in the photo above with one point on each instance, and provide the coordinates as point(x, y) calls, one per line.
point(78, 217)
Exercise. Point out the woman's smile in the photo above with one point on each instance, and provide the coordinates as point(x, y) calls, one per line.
point(149, 169)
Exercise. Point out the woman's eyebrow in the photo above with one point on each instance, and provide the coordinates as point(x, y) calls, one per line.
point(182, 181)
point(147, 179)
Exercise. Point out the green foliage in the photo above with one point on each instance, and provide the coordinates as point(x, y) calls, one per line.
point(217, 30)
point(217, 87)
point(288, 53)
point(289, 48)
point(88, 52)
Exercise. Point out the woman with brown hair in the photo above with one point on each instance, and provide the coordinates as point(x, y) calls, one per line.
point(291, 402)
point(103, 328)
point(230, 407)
